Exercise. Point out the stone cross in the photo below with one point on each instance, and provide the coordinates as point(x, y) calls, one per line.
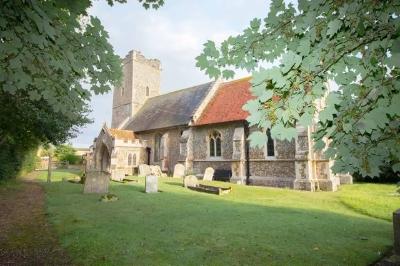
point(151, 184)
point(96, 182)
point(208, 174)
point(144, 170)
point(396, 229)
point(190, 181)
point(179, 171)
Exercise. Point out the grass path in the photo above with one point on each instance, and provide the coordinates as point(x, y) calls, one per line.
point(26, 237)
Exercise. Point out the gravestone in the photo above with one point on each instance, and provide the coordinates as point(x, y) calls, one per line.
point(208, 174)
point(179, 171)
point(396, 229)
point(96, 182)
point(144, 170)
point(155, 170)
point(190, 181)
point(118, 174)
point(151, 184)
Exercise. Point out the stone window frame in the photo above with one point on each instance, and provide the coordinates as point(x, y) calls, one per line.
point(210, 133)
point(157, 147)
point(269, 157)
point(130, 159)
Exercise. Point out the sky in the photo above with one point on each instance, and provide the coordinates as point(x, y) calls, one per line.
point(174, 34)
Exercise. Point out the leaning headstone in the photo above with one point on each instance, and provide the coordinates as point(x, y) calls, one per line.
point(144, 170)
point(179, 171)
point(151, 184)
point(396, 229)
point(96, 182)
point(156, 170)
point(190, 181)
point(208, 174)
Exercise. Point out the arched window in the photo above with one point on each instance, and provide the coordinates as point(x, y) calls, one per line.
point(130, 159)
point(134, 159)
point(157, 147)
point(147, 91)
point(215, 144)
point(270, 144)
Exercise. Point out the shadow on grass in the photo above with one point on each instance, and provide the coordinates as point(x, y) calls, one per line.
point(185, 227)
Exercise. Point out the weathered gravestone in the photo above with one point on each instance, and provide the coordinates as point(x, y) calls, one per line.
point(96, 182)
point(208, 174)
point(144, 170)
point(190, 181)
point(179, 170)
point(396, 229)
point(155, 170)
point(151, 184)
point(118, 174)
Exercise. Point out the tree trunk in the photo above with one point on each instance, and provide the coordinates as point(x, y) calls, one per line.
point(49, 169)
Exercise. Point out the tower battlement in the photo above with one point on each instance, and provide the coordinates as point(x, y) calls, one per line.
point(141, 80)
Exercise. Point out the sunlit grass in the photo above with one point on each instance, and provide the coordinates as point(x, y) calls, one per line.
point(251, 225)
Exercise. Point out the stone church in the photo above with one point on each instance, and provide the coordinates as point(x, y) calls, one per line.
point(200, 126)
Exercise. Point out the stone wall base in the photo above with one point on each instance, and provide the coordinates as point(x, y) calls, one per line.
point(304, 184)
point(272, 181)
point(318, 184)
point(345, 179)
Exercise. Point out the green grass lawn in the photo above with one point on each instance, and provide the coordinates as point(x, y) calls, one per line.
point(251, 225)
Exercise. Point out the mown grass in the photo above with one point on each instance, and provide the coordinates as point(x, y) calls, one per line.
point(251, 225)
point(376, 200)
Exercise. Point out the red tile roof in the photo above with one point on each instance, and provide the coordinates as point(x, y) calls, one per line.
point(122, 134)
point(226, 105)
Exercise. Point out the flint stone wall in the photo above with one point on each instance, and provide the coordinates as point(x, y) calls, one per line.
point(173, 146)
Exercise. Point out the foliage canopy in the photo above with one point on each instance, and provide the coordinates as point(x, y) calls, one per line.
point(356, 44)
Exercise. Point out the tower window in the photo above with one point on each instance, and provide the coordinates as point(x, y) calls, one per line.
point(270, 144)
point(147, 91)
point(122, 91)
point(215, 144)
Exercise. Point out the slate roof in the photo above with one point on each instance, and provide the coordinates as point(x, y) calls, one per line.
point(121, 134)
point(170, 109)
point(226, 105)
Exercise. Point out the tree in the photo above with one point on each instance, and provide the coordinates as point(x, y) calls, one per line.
point(356, 44)
point(53, 57)
point(65, 152)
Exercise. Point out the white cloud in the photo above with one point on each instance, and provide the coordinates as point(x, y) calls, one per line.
point(174, 34)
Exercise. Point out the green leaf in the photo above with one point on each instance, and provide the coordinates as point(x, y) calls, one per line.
point(257, 139)
point(333, 27)
point(306, 119)
point(252, 106)
point(289, 60)
point(319, 145)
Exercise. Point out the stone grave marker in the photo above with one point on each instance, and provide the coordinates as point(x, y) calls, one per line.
point(144, 170)
point(96, 182)
point(208, 174)
point(118, 174)
point(155, 170)
point(190, 181)
point(151, 184)
point(179, 171)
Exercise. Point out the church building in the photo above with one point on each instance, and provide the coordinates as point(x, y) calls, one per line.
point(200, 126)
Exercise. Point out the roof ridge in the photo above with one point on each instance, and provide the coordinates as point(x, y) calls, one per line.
point(171, 92)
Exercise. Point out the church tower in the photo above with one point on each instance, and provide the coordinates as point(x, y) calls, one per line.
point(141, 80)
